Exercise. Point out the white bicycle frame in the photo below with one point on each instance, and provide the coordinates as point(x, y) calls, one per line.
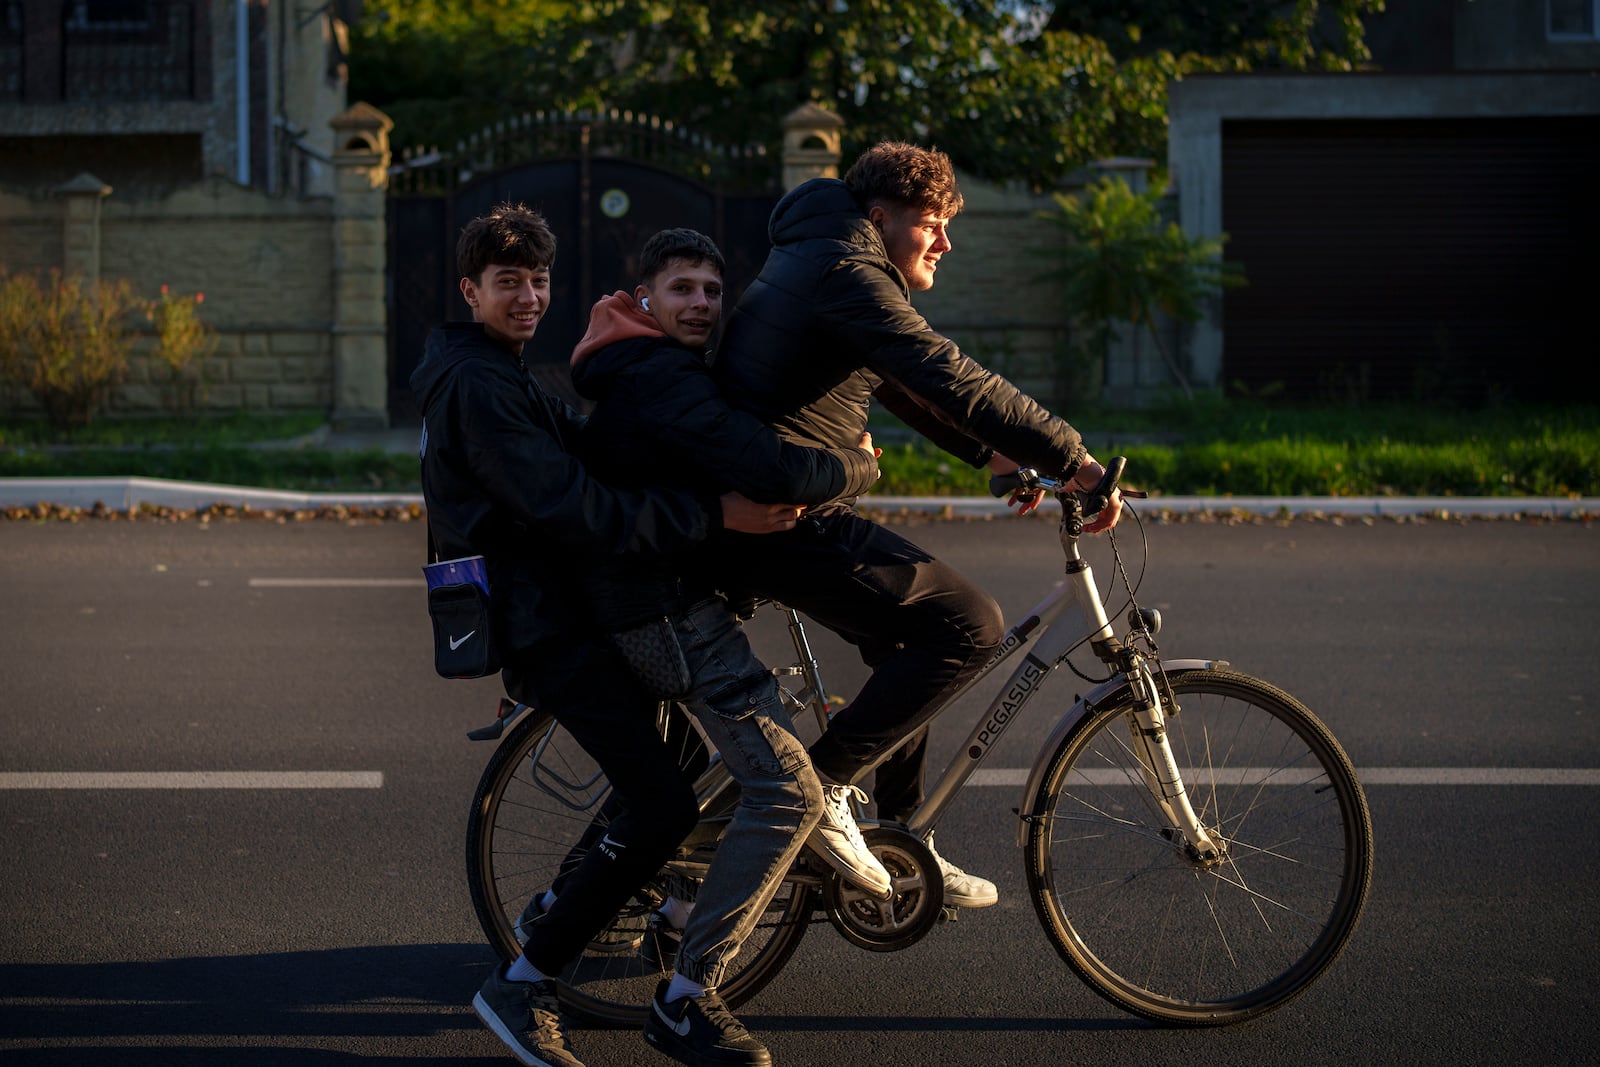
point(1051, 644)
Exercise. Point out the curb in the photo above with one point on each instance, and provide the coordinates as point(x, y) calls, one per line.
point(126, 493)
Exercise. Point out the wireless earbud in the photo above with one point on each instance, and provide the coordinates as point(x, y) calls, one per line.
point(644, 302)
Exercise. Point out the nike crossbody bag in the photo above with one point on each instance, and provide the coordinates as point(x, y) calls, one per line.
point(458, 604)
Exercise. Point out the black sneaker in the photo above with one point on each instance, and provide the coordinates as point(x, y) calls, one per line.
point(701, 1032)
point(527, 1017)
point(661, 941)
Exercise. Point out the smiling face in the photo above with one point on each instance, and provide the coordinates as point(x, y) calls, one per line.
point(915, 238)
point(509, 301)
point(685, 299)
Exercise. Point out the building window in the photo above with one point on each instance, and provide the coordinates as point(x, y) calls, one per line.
point(1572, 20)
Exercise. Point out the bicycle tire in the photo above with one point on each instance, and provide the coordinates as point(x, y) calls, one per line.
point(1152, 928)
point(523, 826)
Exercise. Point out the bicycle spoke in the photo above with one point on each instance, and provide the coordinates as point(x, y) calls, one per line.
point(1172, 934)
point(539, 804)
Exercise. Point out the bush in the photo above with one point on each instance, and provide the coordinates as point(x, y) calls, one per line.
point(66, 342)
point(184, 342)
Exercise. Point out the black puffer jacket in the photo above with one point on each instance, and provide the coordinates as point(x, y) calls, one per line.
point(500, 479)
point(828, 323)
point(659, 419)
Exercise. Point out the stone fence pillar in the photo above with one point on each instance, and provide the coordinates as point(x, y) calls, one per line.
point(360, 264)
point(811, 138)
point(80, 225)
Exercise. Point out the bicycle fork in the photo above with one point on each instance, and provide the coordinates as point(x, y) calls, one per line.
point(1147, 725)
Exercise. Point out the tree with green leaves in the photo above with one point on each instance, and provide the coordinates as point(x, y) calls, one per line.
point(1247, 34)
point(1120, 263)
point(1011, 90)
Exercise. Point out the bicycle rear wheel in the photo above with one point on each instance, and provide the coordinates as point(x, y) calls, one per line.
point(539, 803)
point(1163, 933)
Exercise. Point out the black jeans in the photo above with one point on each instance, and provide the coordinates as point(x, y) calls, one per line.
point(920, 624)
point(652, 808)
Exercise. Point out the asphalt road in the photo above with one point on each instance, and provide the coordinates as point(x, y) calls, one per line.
point(320, 915)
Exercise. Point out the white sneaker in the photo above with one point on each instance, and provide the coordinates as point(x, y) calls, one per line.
point(963, 890)
point(837, 839)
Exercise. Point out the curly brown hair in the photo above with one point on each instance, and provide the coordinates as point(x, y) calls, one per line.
point(511, 235)
point(907, 175)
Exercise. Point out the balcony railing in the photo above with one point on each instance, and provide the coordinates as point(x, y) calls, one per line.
point(11, 51)
point(128, 51)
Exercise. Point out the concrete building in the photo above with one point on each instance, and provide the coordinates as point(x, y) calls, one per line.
point(1420, 231)
point(205, 145)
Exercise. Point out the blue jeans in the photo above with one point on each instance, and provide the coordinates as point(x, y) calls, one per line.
point(735, 700)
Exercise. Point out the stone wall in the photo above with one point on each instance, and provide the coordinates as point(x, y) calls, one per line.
point(987, 295)
point(264, 264)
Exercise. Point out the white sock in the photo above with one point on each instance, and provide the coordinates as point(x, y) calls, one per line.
point(523, 971)
point(681, 987)
point(676, 912)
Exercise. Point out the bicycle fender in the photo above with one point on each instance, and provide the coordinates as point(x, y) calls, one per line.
point(1107, 691)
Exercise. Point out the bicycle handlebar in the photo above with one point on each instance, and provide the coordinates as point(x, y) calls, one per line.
point(1026, 479)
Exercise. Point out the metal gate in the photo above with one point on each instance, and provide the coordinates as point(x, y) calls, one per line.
point(604, 182)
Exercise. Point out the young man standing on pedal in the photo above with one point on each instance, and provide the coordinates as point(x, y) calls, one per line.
point(500, 480)
point(827, 326)
point(659, 419)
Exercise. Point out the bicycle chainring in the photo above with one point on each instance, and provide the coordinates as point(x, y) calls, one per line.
point(901, 921)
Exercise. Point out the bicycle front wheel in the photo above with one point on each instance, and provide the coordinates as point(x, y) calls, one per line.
point(1202, 941)
point(540, 803)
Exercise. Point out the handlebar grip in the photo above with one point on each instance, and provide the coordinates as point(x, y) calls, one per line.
point(1100, 496)
point(1006, 484)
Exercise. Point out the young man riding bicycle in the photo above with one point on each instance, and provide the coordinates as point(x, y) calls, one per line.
point(659, 419)
point(500, 479)
point(825, 328)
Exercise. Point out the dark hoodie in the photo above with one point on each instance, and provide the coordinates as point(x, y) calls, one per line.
point(828, 324)
point(659, 419)
point(500, 479)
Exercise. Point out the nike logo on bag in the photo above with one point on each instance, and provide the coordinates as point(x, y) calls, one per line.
point(457, 642)
point(681, 1027)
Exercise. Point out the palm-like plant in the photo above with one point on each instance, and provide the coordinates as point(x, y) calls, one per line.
point(1120, 263)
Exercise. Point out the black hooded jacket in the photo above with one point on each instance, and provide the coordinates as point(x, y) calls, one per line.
point(829, 323)
point(500, 479)
point(659, 419)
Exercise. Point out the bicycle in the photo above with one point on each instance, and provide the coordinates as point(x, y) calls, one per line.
point(1198, 847)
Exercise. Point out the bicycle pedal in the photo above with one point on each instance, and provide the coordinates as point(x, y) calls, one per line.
point(949, 913)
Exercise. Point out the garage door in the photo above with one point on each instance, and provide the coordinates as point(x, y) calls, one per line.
point(1413, 260)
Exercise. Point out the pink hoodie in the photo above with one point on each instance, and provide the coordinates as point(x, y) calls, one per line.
point(615, 318)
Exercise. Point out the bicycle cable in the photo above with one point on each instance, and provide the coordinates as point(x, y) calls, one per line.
point(1131, 586)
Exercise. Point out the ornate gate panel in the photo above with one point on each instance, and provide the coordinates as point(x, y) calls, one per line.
point(605, 183)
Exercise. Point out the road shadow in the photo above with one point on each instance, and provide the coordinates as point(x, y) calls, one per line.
point(147, 1012)
point(267, 1009)
point(933, 1024)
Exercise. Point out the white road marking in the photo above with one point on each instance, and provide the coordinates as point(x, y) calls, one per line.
point(1429, 776)
point(335, 583)
point(1008, 776)
point(191, 780)
point(1002, 776)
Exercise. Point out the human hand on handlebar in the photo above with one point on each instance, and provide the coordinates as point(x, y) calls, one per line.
point(865, 444)
point(1028, 499)
point(1084, 480)
point(743, 515)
